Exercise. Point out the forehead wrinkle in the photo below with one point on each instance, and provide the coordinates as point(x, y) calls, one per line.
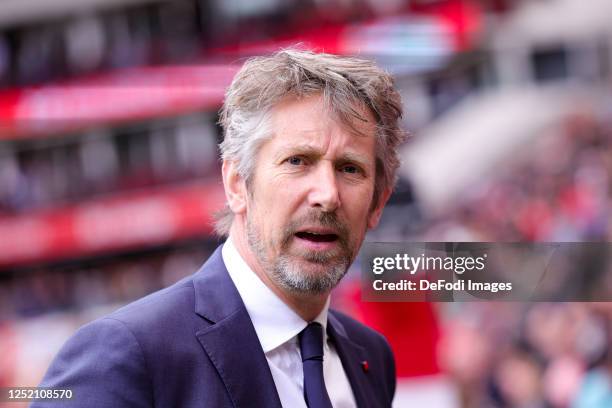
point(357, 119)
point(316, 136)
point(301, 149)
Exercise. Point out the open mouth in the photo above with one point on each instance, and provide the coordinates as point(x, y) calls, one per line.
point(317, 237)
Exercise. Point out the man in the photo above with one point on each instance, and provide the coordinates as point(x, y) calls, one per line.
point(309, 161)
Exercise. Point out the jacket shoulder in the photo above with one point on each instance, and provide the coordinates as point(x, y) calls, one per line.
point(158, 306)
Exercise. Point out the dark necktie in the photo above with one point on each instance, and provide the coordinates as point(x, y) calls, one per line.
point(311, 347)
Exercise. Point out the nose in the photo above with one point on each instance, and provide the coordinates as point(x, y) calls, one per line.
point(324, 192)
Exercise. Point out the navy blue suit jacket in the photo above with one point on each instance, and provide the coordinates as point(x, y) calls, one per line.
point(193, 345)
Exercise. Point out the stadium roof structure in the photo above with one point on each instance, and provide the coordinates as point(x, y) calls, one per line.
point(466, 145)
point(559, 20)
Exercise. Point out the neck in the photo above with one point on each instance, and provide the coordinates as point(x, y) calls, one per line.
point(307, 306)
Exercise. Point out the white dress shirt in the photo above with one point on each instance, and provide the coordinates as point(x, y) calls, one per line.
point(277, 327)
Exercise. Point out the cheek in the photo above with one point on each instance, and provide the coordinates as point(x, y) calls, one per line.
point(272, 214)
point(362, 201)
point(363, 216)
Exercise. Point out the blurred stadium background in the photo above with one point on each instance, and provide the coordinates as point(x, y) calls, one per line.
point(109, 171)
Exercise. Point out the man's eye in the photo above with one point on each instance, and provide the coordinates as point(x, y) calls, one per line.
point(351, 169)
point(295, 161)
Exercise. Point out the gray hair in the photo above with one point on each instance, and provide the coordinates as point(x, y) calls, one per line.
point(346, 84)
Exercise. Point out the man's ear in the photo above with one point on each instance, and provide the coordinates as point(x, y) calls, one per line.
point(376, 213)
point(235, 187)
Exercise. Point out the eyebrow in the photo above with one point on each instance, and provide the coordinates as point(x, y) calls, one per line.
point(311, 151)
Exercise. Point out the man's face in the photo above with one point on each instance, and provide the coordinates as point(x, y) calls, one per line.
point(309, 201)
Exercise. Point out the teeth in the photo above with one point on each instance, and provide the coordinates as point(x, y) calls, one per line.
point(315, 233)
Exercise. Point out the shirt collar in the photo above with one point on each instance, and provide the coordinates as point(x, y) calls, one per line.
point(275, 323)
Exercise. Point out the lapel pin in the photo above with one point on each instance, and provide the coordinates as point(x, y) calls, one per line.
point(365, 366)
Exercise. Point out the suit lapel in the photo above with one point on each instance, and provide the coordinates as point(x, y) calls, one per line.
point(230, 340)
point(351, 355)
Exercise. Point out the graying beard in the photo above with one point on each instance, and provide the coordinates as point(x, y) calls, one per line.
point(285, 274)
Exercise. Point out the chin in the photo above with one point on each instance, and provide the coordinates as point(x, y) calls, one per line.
point(309, 277)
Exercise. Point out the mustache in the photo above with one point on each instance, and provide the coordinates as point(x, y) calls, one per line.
point(318, 219)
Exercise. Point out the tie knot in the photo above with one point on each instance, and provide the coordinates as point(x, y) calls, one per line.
point(311, 342)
